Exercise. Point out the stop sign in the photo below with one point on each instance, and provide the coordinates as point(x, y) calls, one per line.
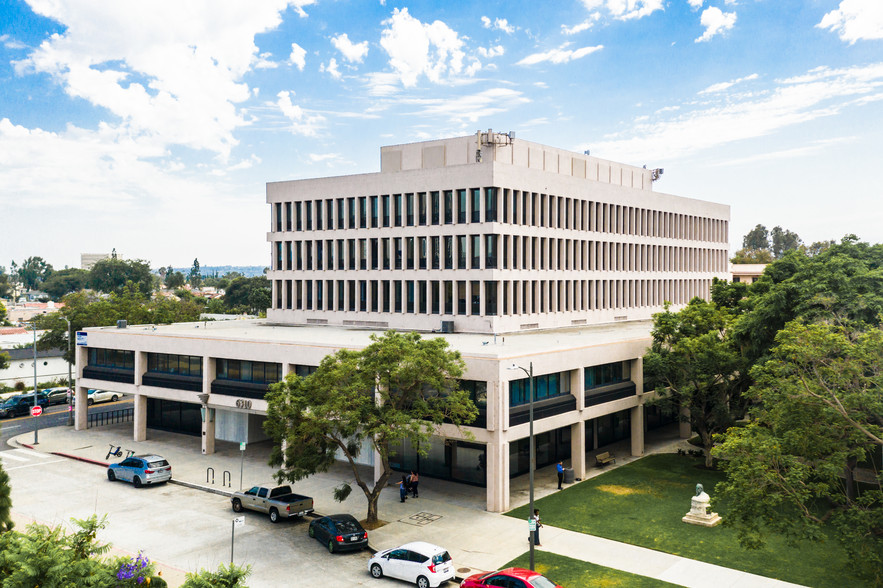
point(36, 410)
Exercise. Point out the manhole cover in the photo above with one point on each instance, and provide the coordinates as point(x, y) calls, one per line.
point(421, 518)
point(464, 570)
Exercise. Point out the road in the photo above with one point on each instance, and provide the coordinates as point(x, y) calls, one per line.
point(53, 416)
point(181, 527)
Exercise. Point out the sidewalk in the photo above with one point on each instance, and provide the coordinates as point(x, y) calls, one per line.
point(446, 513)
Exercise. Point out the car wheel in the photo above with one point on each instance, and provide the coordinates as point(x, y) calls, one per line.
point(114, 398)
point(274, 515)
point(376, 571)
point(331, 546)
point(237, 505)
point(312, 532)
point(111, 476)
point(136, 482)
point(422, 582)
point(90, 402)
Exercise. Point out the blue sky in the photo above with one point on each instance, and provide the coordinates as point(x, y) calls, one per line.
point(152, 127)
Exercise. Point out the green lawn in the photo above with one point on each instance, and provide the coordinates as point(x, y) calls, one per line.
point(574, 573)
point(642, 503)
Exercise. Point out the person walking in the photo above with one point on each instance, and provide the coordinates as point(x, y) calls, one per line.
point(414, 480)
point(403, 489)
point(560, 468)
point(536, 533)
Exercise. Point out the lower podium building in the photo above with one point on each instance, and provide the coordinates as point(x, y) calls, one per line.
point(520, 255)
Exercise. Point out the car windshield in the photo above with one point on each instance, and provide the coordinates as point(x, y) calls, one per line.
point(158, 464)
point(541, 582)
point(345, 526)
point(8, 403)
point(441, 558)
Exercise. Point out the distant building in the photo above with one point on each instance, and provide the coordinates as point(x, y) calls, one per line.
point(747, 273)
point(88, 260)
point(50, 366)
point(519, 255)
point(23, 312)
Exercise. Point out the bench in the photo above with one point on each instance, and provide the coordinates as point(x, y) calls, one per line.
point(602, 459)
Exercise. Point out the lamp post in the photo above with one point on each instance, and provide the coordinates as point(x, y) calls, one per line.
point(533, 455)
point(70, 383)
point(36, 419)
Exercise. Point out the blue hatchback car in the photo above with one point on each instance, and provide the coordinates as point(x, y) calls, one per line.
point(140, 470)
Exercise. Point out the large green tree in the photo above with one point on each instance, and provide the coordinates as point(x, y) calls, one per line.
point(252, 295)
point(33, 271)
point(195, 277)
point(398, 388)
point(818, 415)
point(782, 241)
point(757, 238)
point(112, 275)
point(5, 285)
point(4, 321)
point(692, 366)
point(65, 281)
point(6, 523)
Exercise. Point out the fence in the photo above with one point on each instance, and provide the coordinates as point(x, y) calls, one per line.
point(111, 417)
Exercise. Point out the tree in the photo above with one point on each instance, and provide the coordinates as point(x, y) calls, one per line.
point(783, 241)
point(33, 271)
point(65, 281)
point(5, 285)
point(195, 275)
point(757, 238)
point(817, 247)
point(399, 388)
point(6, 523)
point(752, 256)
point(112, 275)
point(4, 321)
point(4, 360)
point(174, 280)
point(692, 366)
point(819, 413)
point(252, 295)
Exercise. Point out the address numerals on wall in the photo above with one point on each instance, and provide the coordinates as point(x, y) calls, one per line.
point(240, 403)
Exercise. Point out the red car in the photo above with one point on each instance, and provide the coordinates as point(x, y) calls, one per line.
point(509, 578)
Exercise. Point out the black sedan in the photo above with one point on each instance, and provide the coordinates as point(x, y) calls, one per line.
point(340, 532)
point(22, 405)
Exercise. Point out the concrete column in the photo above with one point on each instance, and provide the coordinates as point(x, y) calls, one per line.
point(209, 373)
point(637, 426)
point(139, 424)
point(140, 367)
point(497, 464)
point(81, 413)
point(578, 449)
point(684, 424)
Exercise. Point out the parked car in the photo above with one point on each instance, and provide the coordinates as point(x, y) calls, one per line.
point(340, 532)
point(21, 405)
point(420, 563)
point(56, 395)
point(511, 578)
point(276, 501)
point(93, 396)
point(140, 470)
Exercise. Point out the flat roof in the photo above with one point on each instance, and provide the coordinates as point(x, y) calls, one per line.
point(478, 345)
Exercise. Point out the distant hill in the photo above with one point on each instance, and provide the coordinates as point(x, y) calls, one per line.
point(208, 271)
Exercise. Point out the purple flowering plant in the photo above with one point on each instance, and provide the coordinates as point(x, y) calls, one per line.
point(135, 570)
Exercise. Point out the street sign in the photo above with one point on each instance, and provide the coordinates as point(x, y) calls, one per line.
point(238, 522)
point(242, 446)
point(36, 410)
point(531, 524)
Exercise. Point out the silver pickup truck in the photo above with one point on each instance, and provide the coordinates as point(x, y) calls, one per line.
point(277, 501)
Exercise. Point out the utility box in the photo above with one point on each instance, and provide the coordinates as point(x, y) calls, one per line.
point(447, 327)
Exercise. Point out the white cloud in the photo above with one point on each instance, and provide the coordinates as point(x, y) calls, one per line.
point(499, 23)
point(11, 43)
point(264, 62)
point(382, 83)
point(626, 9)
point(559, 55)
point(417, 48)
point(352, 52)
point(474, 107)
point(720, 87)
point(161, 68)
point(583, 26)
point(298, 56)
point(715, 21)
point(821, 92)
point(331, 69)
point(303, 123)
point(324, 157)
point(491, 52)
point(855, 20)
point(472, 68)
point(695, 4)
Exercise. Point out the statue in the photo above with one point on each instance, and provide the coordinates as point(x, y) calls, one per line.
point(699, 489)
point(699, 514)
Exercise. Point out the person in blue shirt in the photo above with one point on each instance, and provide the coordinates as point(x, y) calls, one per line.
point(560, 468)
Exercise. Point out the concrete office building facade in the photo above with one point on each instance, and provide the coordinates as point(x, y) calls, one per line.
point(516, 253)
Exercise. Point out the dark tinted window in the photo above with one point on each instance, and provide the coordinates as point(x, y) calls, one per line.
point(347, 526)
point(416, 557)
point(158, 464)
point(441, 558)
point(398, 554)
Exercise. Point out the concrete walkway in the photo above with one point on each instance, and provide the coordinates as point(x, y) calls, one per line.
point(447, 513)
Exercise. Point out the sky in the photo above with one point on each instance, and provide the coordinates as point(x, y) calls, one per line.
point(153, 127)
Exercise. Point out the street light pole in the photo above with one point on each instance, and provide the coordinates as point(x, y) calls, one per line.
point(533, 455)
point(70, 383)
point(36, 419)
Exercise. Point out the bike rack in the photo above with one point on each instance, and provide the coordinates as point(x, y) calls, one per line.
point(226, 479)
point(207, 470)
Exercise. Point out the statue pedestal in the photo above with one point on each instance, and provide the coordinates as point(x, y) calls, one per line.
point(699, 514)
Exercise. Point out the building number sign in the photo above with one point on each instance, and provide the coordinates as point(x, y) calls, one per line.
point(240, 403)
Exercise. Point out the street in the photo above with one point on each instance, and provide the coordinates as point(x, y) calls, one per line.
point(181, 527)
point(53, 416)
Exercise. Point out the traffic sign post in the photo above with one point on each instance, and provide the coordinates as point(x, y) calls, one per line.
point(241, 463)
point(36, 410)
point(237, 522)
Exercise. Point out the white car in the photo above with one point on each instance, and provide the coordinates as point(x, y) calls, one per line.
point(94, 396)
point(424, 564)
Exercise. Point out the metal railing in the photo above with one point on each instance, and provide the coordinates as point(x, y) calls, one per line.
point(111, 417)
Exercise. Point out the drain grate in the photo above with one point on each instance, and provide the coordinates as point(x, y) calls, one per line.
point(421, 519)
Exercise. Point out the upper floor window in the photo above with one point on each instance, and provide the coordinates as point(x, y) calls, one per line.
point(545, 386)
point(609, 373)
point(111, 358)
point(167, 363)
point(257, 372)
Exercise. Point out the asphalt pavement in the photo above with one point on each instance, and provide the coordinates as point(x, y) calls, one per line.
point(448, 514)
